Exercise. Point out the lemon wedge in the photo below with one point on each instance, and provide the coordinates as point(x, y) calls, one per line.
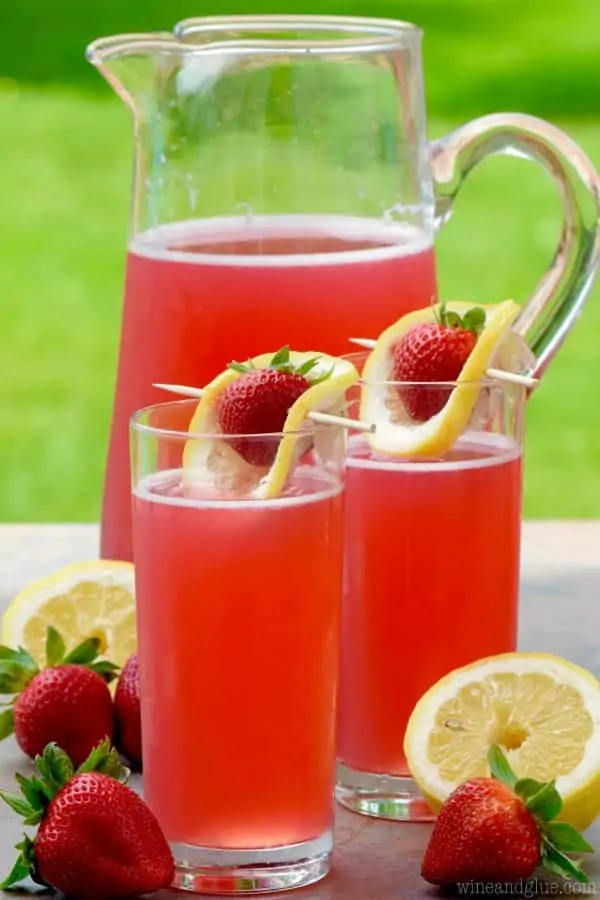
point(89, 599)
point(396, 434)
point(212, 463)
point(542, 710)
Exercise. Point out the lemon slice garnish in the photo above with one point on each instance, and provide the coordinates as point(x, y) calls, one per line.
point(208, 462)
point(542, 710)
point(396, 434)
point(90, 599)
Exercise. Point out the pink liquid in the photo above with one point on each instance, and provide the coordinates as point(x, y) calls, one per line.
point(238, 622)
point(200, 294)
point(431, 583)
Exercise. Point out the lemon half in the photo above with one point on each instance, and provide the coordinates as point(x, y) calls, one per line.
point(89, 599)
point(542, 710)
point(208, 461)
point(396, 434)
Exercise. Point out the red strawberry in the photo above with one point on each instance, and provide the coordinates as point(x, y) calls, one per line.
point(434, 351)
point(67, 702)
point(96, 839)
point(499, 829)
point(127, 709)
point(258, 403)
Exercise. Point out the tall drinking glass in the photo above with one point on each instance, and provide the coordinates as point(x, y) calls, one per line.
point(238, 629)
point(431, 584)
point(282, 171)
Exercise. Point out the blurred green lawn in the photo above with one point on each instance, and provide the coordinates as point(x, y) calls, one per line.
point(65, 180)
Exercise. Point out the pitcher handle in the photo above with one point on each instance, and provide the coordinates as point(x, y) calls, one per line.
point(550, 312)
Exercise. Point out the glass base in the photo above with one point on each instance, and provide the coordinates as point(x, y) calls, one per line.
point(206, 870)
point(381, 796)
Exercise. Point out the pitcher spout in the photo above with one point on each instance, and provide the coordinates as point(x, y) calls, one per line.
point(127, 60)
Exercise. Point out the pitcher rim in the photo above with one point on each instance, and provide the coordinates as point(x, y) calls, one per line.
point(372, 26)
point(354, 34)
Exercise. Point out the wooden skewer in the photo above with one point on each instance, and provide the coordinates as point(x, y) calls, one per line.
point(318, 417)
point(499, 374)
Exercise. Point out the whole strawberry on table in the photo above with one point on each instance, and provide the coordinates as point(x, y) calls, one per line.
point(498, 830)
point(67, 701)
point(96, 838)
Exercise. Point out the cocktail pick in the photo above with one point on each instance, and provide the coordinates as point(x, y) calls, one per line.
point(318, 417)
point(499, 374)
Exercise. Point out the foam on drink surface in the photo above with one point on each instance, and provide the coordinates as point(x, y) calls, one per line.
point(472, 451)
point(273, 241)
point(168, 487)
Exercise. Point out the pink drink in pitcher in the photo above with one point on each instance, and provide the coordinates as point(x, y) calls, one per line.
point(202, 293)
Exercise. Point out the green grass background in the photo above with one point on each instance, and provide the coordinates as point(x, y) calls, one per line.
point(65, 167)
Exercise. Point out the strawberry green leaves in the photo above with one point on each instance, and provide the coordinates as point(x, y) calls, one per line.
point(282, 362)
point(85, 654)
point(500, 767)
point(565, 836)
point(55, 647)
point(54, 769)
point(473, 320)
point(543, 801)
point(17, 669)
point(24, 866)
point(242, 368)
point(105, 759)
point(7, 722)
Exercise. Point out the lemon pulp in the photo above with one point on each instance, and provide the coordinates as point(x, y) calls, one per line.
point(542, 710)
point(93, 599)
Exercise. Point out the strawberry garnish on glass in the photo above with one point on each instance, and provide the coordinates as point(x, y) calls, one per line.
point(500, 829)
point(96, 838)
point(259, 400)
point(67, 702)
point(434, 352)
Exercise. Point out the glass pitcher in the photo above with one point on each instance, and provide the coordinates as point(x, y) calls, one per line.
point(285, 193)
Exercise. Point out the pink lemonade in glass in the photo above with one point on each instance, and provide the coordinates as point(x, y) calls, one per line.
point(431, 584)
point(200, 294)
point(239, 604)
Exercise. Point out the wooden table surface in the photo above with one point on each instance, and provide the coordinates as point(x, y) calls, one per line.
point(560, 613)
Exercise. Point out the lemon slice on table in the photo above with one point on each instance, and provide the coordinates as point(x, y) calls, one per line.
point(396, 434)
point(542, 710)
point(208, 462)
point(89, 599)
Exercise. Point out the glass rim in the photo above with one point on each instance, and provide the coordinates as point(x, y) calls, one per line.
point(139, 427)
